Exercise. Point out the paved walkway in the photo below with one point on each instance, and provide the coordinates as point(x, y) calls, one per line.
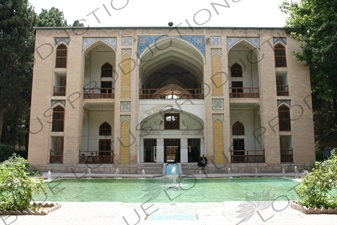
point(118, 213)
point(100, 213)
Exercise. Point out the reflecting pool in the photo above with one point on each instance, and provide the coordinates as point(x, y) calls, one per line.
point(185, 189)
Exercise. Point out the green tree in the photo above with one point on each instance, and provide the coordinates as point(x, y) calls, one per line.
point(78, 24)
point(314, 24)
point(17, 186)
point(17, 19)
point(52, 18)
point(316, 188)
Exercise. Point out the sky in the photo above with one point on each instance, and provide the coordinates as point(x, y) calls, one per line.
point(158, 13)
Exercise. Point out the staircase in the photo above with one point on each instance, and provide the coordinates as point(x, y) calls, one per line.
point(150, 168)
point(189, 168)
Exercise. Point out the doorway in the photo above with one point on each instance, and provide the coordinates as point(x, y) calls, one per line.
point(193, 150)
point(237, 89)
point(105, 154)
point(150, 150)
point(238, 150)
point(171, 150)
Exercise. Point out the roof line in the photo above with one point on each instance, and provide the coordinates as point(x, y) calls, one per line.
point(190, 28)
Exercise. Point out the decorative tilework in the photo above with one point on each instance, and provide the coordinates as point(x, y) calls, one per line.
point(112, 42)
point(54, 102)
point(217, 104)
point(196, 40)
point(61, 40)
point(215, 40)
point(279, 102)
point(145, 41)
point(126, 106)
point(280, 39)
point(125, 118)
point(217, 117)
point(127, 41)
point(231, 41)
point(216, 51)
point(126, 50)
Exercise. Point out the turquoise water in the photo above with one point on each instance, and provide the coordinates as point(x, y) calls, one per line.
point(187, 190)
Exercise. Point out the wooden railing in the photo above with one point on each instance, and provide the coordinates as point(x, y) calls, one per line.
point(282, 90)
point(247, 156)
point(56, 156)
point(96, 156)
point(98, 93)
point(59, 91)
point(287, 155)
point(194, 93)
point(243, 92)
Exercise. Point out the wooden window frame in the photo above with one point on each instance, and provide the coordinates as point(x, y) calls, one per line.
point(105, 129)
point(61, 56)
point(280, 55)
point(284, 118)
point(171, 125)
point(236, 70)
point(106, 70)
point(58, 119)
point(238, 128)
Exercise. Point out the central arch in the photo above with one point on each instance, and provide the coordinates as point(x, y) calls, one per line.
point(171, 61)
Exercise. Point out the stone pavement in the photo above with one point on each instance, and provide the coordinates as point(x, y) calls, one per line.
point(112, 213)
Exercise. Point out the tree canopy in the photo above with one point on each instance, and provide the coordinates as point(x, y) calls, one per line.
point(51, 18)
point(314, 24)
point(17, 22)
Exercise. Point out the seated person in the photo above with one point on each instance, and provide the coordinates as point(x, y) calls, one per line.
point(202, 161)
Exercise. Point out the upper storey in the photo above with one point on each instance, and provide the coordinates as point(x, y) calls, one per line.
point(169, 62)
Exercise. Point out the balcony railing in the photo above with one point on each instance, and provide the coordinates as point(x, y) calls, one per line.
point(96, 157)
point(191, 93)
point(96, 93)
point(56, 156)
point(247, 156)
point(59, 91)
point(282, 90)
point(243, 92)
point(287, 155)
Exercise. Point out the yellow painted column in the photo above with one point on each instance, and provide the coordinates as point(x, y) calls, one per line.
point(126, 76)
point(216, 75)
point(218, 141)
point(125, 140)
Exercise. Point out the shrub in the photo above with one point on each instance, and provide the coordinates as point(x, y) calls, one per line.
point(6, 151)
point(315, 188)
point(16, 185)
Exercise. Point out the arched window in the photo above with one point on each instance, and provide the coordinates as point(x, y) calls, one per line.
point(238, 129)
point(280, 56)
point(284, 118)
point(105, 129)
point(106, 70)
point(61, 56)
point(58, 119)
point(236, 70)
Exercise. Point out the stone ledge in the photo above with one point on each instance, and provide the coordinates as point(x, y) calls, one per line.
point(44, 210)
point(310, 210)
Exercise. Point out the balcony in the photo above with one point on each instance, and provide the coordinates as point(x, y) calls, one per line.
point(96, 157)
point(287, 155)
point(282, 90)
point(59, 91)
point(243, 92)
point(171, 93)
point(96, 93)
point(56, 156)
point(247, 156)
